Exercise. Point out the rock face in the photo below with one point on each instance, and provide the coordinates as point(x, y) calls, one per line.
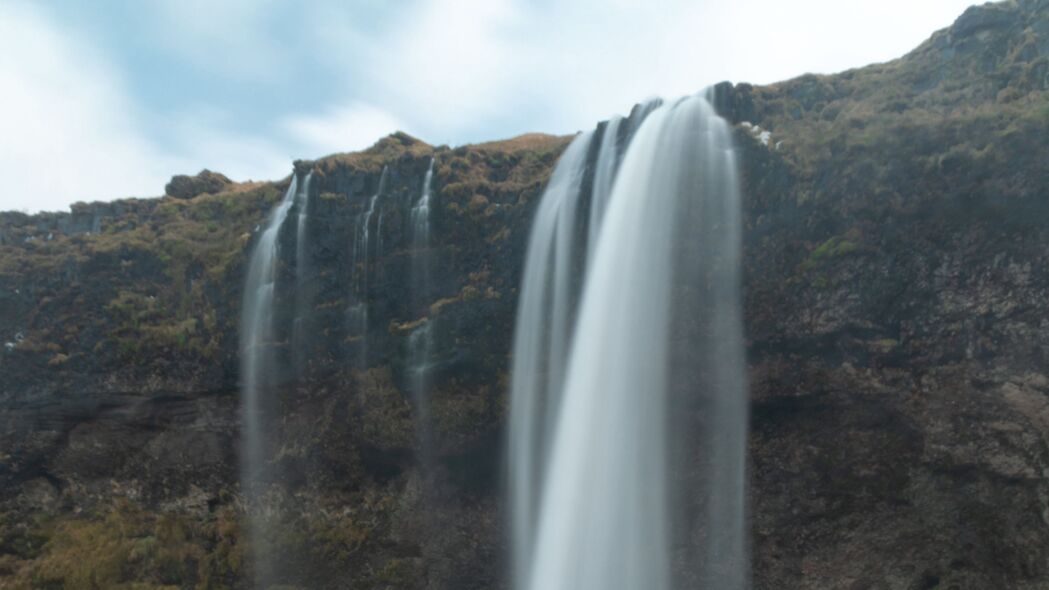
point(205, 182)
point(896, 226)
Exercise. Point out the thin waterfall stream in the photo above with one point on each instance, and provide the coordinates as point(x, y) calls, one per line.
point(260, 377)
point(358, 314)
point(303, 302)
point(420, 341)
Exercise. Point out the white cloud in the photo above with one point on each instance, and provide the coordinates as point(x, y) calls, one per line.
point(449, 64)
point(66, 130)
point(71, 132)
point(230, 37)
point(347, 128)
point(200, 137)
point(766, 42)
point(240, 157)
point(446, 70)
point(454, 65)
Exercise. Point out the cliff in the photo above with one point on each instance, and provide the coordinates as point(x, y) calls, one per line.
point(896, 221)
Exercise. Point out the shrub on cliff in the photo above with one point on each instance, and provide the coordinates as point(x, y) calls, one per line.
point(205, 182)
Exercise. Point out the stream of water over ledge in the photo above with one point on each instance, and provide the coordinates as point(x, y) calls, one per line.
point(628, 411)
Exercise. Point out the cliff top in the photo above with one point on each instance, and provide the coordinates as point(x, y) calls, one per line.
point(993, 54)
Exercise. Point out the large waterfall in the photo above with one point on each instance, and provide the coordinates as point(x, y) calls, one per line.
point(628, 411)
point(260, 377)
point(541, 341)
point(552, 281)
point(604, 175)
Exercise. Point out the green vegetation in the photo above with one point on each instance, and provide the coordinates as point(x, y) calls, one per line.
point(385, 416)
point(458, 408)
point(125, 548)
point(835, 247)
point(161, 275)
point(371, 160)
point(956, 108)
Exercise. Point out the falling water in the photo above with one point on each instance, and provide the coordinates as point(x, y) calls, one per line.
point(646, 423)
point(303, 202)
point(420, 342)
point(641, 111)
point(550, 290)
point(302, 293)
point(541, 341)
point(259, 376)
point(378, 232)
point(358, 313)
point(420, 215)
point(607, 159)
point(366, 219)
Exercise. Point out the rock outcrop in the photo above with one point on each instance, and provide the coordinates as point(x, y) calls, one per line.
point(205, 182)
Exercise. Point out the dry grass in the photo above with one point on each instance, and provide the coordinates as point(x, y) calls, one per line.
point(528, 141)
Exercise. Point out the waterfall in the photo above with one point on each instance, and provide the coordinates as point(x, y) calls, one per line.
point(420, 342)
point(420, 214)
point(259, 360)
point(647, 418)
point(358, 313)
point(550, 289)
point(604, 174)
point(541, 341)
point(303, 301)
point(378, 233)
point(303, 204)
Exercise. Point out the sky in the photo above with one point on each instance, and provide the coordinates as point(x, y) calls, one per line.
point(110, 98)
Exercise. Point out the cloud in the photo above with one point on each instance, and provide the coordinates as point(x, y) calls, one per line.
point(233, 37)
point(240, 157)
point(347, 128)
point(765, 42)
point(202, 137)
point(71, 131)
point(467, 68)
point(66, 129)
point(249, 85)
point(448, 65)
